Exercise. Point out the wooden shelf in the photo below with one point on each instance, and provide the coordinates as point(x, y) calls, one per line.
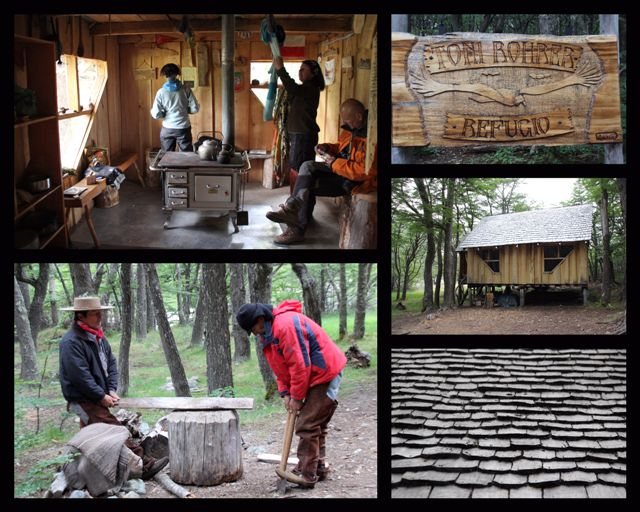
point(22, 124)
point(45, 241)
point(40, 198)
point(37, 142)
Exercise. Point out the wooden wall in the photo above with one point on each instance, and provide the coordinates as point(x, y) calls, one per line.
point(123, 121)
point(525, 265)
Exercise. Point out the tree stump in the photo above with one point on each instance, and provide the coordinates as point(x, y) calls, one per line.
point(204, 447)
point(359, 222)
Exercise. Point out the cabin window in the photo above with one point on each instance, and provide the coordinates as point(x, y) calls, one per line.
point(492, 258)
point(260, 76)
point(554, 254)
point(80, 84)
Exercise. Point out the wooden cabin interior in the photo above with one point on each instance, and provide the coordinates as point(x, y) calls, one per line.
point(122, 54)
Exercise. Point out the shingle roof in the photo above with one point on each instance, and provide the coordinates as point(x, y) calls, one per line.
point(567, 224)
point(508, 423)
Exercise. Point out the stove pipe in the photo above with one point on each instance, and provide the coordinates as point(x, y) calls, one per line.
point(228, 118)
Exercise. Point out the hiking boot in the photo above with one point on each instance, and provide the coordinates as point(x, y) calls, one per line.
point(301, 480)
point(323, 473)
point(290, 236)
point(157, 466)
point(287, 214)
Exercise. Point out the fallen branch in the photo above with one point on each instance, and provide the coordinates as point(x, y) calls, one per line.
point(165, 481)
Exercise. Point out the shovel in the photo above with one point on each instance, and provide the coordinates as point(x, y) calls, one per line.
point(282, 469)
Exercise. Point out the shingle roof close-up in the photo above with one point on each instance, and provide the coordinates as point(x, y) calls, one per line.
point(568, 224)
point(508, 423)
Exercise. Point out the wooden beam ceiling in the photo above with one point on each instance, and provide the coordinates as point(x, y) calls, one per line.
point(310, 23)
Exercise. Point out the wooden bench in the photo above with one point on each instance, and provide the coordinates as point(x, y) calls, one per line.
point(125, 160)
point(84, 201)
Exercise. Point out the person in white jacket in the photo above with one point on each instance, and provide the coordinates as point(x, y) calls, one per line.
point(173, 103)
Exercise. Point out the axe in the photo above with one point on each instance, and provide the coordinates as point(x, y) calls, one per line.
point(288, 436)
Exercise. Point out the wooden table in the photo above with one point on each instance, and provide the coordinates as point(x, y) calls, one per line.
point(84, 201)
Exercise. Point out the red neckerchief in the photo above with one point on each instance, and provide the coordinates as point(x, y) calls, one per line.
point(97, 333)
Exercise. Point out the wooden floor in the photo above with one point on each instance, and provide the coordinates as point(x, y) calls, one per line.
point(137, 223)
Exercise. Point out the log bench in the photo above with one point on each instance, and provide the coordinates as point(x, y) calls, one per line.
point(205, 447)
point(359, 221)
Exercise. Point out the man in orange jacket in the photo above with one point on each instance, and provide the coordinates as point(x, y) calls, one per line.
point(342, 172)
point(308, 368)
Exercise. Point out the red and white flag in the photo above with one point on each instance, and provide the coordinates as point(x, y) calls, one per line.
point(293, 47)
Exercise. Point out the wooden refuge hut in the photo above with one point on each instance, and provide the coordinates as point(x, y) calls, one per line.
point(537, 248)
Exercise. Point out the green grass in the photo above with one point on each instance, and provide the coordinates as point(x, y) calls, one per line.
point(148, 371)
point(413, 303)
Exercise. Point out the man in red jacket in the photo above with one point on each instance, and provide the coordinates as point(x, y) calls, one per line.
point(308, 368)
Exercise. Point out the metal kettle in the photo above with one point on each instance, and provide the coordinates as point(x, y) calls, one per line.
point(225, 154)
point(208, 150)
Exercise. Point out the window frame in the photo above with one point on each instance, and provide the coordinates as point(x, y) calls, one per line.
point(488, 261)
point(72, 87)
point(556, 257)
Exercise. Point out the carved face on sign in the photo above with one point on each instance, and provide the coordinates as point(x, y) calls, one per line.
point(509, 88)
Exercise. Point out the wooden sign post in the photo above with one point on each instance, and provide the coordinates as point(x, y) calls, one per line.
point(506, 89)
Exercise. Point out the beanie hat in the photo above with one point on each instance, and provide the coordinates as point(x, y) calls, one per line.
point(248, 315)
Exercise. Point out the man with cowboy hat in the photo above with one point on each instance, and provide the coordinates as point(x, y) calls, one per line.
point(89, 374)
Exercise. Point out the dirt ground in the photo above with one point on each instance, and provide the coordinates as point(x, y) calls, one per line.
point(352, 452)
point(555, 319)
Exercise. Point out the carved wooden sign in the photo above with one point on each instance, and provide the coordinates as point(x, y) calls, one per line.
point(470, 88)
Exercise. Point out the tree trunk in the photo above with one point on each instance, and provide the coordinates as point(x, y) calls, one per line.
point(199, 321)
point(323, 287)
point(186, 298)
point(622, 191)
point(53, 300)
point(241, 340)
point(436, 295)
point(427, 221)
point(205, 447)
point(545, 22)
point(67, 296)
point(342, 302)
point(456, 22)
point(260, 275)
point(217, 339)
point(171, 353)
point(26, 295)
point(112, 318)
point(28, 360)
point(151, 315)
point(449, 259)
point(36, 311)
point(141, 303)
point(309, 292)
point(81, 279)
point(361, 300)
point(607, 277)
point(179, 295)
point(127, 324)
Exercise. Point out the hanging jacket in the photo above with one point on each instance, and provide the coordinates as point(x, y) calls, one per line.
point(300, 353)
point(352, 154)
point(173, 104)
point(82, 376)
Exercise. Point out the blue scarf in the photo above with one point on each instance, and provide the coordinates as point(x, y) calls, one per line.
point(172, 85)
point(267, 336)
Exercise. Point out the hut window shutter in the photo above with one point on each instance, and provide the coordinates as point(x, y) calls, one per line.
point(555, 254)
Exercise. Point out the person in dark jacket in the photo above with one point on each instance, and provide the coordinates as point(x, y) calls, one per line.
point(308, 367)
point(89, 374)
point(301, 119)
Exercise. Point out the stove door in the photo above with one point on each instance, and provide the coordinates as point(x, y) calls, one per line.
point(214, 191)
